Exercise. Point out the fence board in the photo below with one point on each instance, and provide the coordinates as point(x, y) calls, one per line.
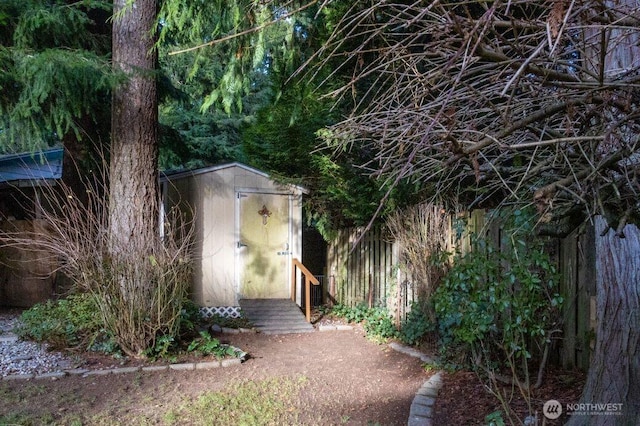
point(586, 290)
point(568, 286)
point(362, 274)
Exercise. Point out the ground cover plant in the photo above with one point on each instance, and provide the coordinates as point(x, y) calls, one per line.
point(379, 324)
point(376, 321)
point(69, 324)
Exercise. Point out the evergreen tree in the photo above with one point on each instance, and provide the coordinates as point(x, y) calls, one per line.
point(284, 139)
point(133, 195)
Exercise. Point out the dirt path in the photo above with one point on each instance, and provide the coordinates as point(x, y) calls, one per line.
point(349, 380)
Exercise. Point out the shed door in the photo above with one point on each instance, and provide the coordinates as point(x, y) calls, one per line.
point(264, 245)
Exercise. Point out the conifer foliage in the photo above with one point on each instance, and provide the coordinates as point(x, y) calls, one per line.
point(54, 62)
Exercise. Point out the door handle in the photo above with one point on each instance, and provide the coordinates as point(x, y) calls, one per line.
point(241, 244)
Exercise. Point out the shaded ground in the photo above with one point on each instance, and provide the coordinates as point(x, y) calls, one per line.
point(347, 380)
point(463, 399)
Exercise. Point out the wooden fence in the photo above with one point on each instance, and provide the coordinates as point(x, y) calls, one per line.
point(578, 287)
point(369, 273)
point(27, 275)
point(363, 273)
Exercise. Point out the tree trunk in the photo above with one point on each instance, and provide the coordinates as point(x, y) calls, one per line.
point(129, 292)
point(614, 374)
point(133, 201)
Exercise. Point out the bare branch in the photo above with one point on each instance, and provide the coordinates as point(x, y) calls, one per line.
point(492, 101)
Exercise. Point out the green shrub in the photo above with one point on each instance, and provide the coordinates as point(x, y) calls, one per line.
point(500, 306)
point(416, 325)
point(376, 321)
point(190, 316)
point(70, 323)
point(497, 309)
point(208, 345)
point(165, 347)
point(354, 314)
point(379, 324)
point(494, 419)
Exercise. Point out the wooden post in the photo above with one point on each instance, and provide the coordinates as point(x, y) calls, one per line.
point(568, 287)
point(293, 282)
point(585, 289)
point(332, 289)
point(307, 299)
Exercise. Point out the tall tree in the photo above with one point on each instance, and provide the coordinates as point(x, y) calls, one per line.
point(221, 59)
point(193, 136)
point(133, 205)
point(517, 101)
point(55, 80)
point(284, 138)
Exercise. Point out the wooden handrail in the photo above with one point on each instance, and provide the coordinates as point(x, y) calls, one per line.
point(309, 278)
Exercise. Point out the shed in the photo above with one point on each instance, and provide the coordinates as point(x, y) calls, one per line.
point(248, 229)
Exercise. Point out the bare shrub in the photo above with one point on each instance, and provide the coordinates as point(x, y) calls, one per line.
point(423, 233)
point(488, 101)
point(140, 291)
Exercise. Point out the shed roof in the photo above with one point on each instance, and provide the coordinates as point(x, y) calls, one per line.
point(180, 174)
point(31, 168)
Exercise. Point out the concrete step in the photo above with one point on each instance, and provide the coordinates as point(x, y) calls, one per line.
point(275, 316)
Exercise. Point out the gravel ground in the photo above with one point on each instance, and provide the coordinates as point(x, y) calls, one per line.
point(20, 357)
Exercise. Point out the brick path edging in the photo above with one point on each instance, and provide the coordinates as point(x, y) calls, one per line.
point(335, 328)
point(205, 365)
point(85, 372)
point(421, 411)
